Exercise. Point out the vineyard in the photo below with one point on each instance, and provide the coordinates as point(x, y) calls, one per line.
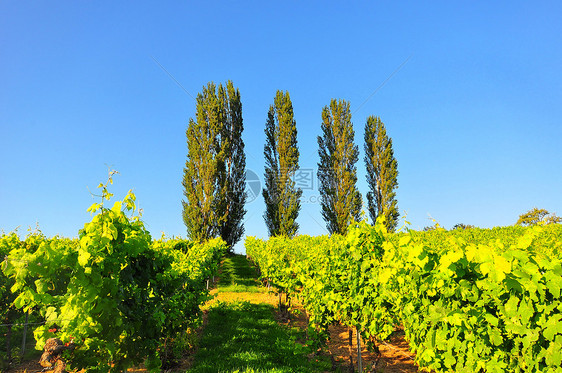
point(115, 297)
point(468, 300)
point(475, 300)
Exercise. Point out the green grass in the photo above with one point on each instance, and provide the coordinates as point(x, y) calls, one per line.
point(245, 337)
point(237, 275)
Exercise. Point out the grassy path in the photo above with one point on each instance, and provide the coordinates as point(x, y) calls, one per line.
point(242, 335)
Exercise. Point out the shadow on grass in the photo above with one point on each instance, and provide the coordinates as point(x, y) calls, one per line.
point(245, 337)
point(236, 272)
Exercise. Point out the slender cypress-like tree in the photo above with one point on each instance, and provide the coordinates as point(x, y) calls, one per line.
point(271, 190)
point(204, 157)
point(382, 173)
point(232, 175)
point(282, 198)
point(337, 173)
point(214, 175)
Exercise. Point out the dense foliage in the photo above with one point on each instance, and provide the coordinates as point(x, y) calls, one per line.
point(8, 312)
point(281, 152)
point(114, 293)
point(470, 300)
point(214, 176)
point(537, 216)
point(337, 170)
point(382, 173)
point(232, 171)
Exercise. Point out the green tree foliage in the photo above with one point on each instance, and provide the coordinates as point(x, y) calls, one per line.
point(282, 198)
point(337, 173)
point(382, 173)
point(214, 174)
point(462, 226)
point(537, 216)
point(232, 175)
point(204, 157)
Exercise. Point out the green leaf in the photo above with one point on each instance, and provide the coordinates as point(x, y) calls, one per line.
point(83, 257)
point(117, 206)
point(553, 356)
point(491, 319)
point(553, 284)
point(553, 327)
point(513, 284)
point(495, 336)
point(502, 265)
point(40, 286)
point(94, 207)
point(511, 306)
point(449, 360)
point(526, 311)
point(20, 301)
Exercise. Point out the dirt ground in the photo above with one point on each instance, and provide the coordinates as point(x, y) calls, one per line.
point(395, 355)
point(30, 366)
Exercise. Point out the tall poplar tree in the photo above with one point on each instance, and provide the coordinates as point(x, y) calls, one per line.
point(202, 166)
point(337, 173)
point(232, 175)
point(214, 174)
point(282, 198)
point(382, 173)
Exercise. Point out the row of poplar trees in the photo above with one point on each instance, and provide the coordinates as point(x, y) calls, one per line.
point(340, 198)
point(214, 174)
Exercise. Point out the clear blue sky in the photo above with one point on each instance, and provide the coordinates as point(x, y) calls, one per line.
point(475, 114)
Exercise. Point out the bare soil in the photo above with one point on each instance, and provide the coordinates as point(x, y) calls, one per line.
point(394, 355)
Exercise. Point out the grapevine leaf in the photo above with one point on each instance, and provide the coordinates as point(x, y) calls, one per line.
point(554, 352)
point(495, 336)
point(94, 207)
point(553, 327)
point(513, 284)
point(554, 283)
point(83, 257)
point(449, 360)
point(491, 319)
point(502, 265)
point(511, 306)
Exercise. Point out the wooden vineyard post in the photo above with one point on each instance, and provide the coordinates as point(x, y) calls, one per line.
point(359, 360)
point(24, 339)
point(9, 344)
point(350, 345)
